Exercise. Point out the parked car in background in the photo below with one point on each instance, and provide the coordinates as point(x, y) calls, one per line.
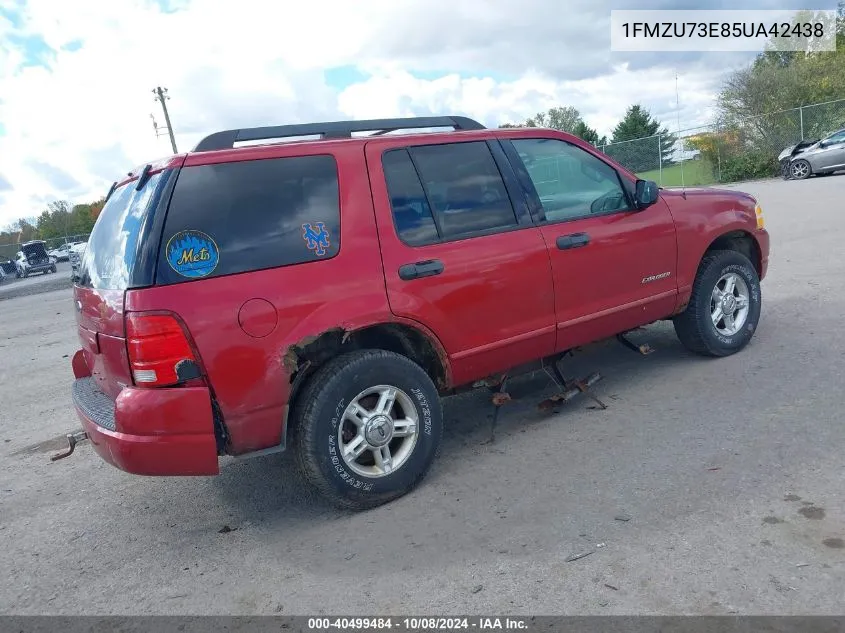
point(62, 253)
point(33, 258)
point(7, 269)
point(75, 258)
point(819, 157)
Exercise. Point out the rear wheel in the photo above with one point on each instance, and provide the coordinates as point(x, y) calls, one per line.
point(367, 427)
point(800, 169)
point(724, 308)
point(53, 268)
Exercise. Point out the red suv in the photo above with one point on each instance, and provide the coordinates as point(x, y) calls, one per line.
point(320, 295)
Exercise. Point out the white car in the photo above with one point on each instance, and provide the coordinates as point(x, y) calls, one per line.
point(75, 257)
point(33, 258)
point(62, 252)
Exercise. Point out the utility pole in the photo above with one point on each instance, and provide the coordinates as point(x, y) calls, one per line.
point(161, 95)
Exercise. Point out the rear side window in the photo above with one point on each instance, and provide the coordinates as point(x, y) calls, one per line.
point(112, 249)
point(236, 217)
point(454, 189)
point(411, 211)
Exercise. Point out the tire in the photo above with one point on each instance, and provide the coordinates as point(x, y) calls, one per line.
point(320, 427)
point(695, 326)
point(53, 269)
point(800, 169)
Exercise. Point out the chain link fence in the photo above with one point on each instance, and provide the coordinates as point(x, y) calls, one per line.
point(726, 151)
point(10, 250)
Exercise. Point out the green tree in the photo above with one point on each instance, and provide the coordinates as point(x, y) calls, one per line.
point(639, 124)
point(585, 132)
point(563, 118)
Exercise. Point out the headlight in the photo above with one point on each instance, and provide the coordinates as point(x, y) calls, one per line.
point(758, 211)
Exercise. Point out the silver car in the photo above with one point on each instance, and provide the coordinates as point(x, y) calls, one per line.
point(822, 157)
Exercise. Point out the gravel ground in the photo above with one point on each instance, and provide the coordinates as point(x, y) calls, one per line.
point(13, 287)
point(729, 473)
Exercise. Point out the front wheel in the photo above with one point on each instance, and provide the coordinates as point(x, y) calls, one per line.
point(724, 308)
point(800, 169)
point(367, 428)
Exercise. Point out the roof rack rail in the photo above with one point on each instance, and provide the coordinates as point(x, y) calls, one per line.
point(335, 129)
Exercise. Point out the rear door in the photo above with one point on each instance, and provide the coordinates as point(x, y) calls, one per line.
point(613, 265)
point(461, 256)
point(107, 268)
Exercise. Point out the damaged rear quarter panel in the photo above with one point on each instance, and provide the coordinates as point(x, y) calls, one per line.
point(250, 377)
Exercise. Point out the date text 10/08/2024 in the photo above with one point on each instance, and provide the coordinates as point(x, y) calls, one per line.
point(418, 624)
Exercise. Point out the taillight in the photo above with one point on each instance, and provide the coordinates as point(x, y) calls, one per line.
point(159, 351)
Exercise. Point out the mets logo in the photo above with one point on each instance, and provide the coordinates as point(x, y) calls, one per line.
point(316, 237)
point(192, 254)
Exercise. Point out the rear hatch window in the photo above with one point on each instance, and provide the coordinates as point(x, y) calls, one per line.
point(112, 248)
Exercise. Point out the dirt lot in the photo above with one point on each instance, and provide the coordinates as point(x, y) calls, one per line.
point(730, 471)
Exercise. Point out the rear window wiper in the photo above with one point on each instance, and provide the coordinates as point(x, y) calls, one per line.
point(111, 191)
point(143, 178)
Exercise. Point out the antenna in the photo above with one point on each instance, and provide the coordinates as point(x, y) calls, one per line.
point(678, 112)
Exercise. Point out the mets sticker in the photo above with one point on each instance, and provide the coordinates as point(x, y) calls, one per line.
point(192, 254)
point(316, 237)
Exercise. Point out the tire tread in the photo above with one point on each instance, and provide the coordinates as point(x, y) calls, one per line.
point(688, 326)
point(305, 409)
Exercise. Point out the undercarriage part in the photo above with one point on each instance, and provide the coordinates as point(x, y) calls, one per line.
point(572, 389)
point(645, 349)
point(500, 397)
point(72, 440)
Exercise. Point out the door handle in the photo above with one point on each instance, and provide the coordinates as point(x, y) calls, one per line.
point(425, 268)
point(576, 240)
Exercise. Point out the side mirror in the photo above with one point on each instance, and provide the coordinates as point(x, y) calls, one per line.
point(646, 193)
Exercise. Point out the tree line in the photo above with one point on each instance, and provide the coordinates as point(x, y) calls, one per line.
point(60, 219)
point(758, 106)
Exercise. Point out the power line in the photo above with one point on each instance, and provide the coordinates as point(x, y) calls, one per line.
point(161, 96)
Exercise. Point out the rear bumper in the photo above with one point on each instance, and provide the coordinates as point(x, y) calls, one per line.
point(38, 268)
point(150, 431)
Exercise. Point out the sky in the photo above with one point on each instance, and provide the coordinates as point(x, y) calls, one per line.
point(76, 78)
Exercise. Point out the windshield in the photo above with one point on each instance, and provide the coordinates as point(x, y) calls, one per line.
point(112, 247)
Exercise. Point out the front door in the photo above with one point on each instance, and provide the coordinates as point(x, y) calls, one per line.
point(832, 155)
point(461, 256)
point(613, 266)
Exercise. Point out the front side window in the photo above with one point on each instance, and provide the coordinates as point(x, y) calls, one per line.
point(570, 182)
point(441, 192)
point(836, 137)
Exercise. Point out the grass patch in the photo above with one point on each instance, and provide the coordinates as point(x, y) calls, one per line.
point(695, 172)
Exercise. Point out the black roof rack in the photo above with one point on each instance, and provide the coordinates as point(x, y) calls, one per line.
point(335, 129)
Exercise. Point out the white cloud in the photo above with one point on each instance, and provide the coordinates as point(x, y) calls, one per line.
point(73, 127)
